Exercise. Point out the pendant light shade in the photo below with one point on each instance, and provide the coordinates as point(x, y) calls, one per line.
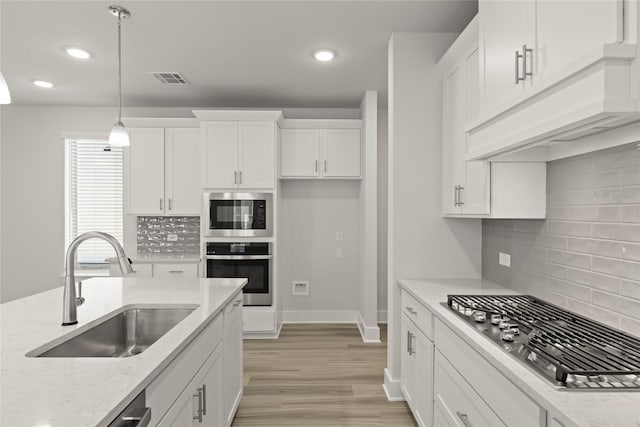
point(119, 136)
point(5, 96)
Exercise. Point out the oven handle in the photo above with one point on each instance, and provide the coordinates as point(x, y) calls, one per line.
point(239, 257)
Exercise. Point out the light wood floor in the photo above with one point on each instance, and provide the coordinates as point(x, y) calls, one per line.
point(317, 375)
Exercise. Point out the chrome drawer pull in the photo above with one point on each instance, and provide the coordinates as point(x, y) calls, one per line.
point(200, 410)
point(412, 311)
point(464, 418)
point(237, 303)
point(204, 399)
point(176, 271)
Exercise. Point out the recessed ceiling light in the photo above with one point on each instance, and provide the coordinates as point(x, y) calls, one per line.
point(42, 83)
point(324, 55)
point(78, 53)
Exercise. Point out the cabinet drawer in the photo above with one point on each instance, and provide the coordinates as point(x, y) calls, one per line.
point(418, 313)
point(165, 389)
point(457, 402)
point(510, 404)
point(168, 271)
point(142, 270)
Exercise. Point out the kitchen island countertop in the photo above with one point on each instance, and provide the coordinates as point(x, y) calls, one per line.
point(571, 408)
point(92, 391)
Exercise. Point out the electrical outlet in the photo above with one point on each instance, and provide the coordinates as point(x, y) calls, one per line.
point(172, 237)
point(300, 288)
point(339, 237)
point(339, 253)
point(505, 259)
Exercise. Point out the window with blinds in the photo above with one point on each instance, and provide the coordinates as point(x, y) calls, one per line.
point(93, 197)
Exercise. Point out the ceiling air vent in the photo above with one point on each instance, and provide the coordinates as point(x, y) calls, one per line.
point(170, 78)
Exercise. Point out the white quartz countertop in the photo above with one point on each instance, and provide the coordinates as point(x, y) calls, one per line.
point(571, 408)
point(54, 392)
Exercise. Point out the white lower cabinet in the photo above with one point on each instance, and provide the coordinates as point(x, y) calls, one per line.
point(200, 404)
point(447, 383)
point(193, 389)
point(166, 270)
point(232, 358)
point(417, 364)
point(458, 403)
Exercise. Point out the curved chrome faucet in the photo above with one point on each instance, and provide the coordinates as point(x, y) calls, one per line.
point(69, 314)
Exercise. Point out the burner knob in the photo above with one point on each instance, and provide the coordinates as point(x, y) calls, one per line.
point(495, 319)
point(508, 335)
point(479, 316)
point(504, 324)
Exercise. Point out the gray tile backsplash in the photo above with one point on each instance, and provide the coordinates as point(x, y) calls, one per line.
point(586, 255)
point(168, 234)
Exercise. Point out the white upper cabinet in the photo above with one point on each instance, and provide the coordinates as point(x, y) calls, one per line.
point(239, 154)
point(162, 172)
point(144, 172)
point(320, 153)
point(299, 150)
point(183, 187)
point(465, 187)
point(553, 71)
point(505, 27)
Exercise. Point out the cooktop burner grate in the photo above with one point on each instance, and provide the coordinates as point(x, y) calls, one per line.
point(574, 345)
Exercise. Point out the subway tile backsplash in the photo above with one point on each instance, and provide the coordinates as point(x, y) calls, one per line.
point(586, 255)
point(168, 234)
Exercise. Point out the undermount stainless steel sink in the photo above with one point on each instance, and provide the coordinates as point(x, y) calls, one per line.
point(126, 332)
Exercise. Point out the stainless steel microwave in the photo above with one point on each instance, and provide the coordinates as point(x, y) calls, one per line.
point(238, 214)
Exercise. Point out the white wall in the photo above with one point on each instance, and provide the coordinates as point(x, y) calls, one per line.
point(32, 169)
point(312, 212)
point(383, 136)
point(420, 243)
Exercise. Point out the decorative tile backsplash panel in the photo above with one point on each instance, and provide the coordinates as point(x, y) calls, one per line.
point(168, 234)
point(586, 255)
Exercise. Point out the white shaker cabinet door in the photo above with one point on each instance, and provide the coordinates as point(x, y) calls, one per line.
point(257, 155)
point(232, 357)
point(299, 151)
point(453, 139)
point(144, 172)
point(183, 172)
point(568, 30)
point(342, 154)
point(505, 26)
point(220, 154)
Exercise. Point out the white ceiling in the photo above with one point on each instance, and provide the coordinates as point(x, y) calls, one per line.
point(233, 53)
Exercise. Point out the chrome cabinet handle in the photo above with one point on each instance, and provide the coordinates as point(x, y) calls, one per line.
point(455, 196)
point(518, 57)
point(408, 342)
point(240, 177)
point(460, 202)
point(199, 396)
point(237, 303)
point(235, 177)
point(161, 204)
point(316, 166)
point(170, 203)
point(325, 166)
point(412, 350)
point(141, 415)
point(176, 271)
point(204, 399)
point(412, 311)
point(464, 418)
point(526, 73)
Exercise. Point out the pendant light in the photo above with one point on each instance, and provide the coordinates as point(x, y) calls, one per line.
point(5, 96)
point(119, 136)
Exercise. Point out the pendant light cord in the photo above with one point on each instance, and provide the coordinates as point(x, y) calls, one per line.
point(119, 68)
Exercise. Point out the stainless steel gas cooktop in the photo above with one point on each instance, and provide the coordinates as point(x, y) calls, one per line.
point(569, 350)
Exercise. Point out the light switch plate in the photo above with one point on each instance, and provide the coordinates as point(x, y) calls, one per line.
point(300, 288)
point(505, 259)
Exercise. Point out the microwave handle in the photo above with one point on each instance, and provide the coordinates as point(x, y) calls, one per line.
point(239, 257)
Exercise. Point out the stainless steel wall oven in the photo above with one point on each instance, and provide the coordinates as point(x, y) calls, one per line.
point(250, 260)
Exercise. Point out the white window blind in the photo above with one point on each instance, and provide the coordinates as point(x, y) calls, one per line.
point(93, 196)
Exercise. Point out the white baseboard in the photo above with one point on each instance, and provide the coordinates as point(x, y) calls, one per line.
point(320, 316)
point(392, 388)
point(370, 334)
point(382, 316)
